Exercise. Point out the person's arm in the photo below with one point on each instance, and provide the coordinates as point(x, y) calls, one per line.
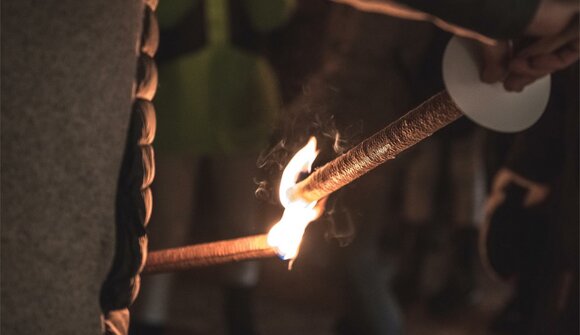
point(545, 55)
point(553, 22)
point(477, 19)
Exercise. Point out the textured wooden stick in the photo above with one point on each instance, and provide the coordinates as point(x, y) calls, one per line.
point(245, 248)
point(400, 135)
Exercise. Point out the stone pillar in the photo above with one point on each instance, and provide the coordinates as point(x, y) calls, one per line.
point(68, 69)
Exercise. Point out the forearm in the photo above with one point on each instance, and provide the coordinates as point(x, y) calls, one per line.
point(483, 20)
point(493, 18)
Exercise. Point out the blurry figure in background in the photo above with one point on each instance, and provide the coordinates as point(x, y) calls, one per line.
point(216, 103)
point(531, 233)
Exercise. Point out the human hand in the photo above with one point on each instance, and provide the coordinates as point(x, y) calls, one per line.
point(544, 56)
point(552, 17)
point(555, 27)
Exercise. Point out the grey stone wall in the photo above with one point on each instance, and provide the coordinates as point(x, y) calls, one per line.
point(67, 69)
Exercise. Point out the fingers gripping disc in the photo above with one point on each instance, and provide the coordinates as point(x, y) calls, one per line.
point(490, 105)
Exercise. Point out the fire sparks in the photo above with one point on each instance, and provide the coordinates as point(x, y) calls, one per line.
point(286, 235)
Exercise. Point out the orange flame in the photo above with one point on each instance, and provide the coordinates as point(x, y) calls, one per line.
point(286, 235)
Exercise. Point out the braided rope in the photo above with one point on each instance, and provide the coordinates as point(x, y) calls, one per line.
point(134, 199)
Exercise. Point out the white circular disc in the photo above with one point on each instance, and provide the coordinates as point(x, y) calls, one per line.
point(490, 105)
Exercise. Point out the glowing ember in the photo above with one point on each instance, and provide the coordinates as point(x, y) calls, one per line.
point(286, 235)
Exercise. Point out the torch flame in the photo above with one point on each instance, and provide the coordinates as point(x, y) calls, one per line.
point(286, 235)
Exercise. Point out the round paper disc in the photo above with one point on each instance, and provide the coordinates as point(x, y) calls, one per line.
point(490, 105)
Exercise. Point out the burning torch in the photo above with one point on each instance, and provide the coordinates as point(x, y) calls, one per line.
point(488, 105)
